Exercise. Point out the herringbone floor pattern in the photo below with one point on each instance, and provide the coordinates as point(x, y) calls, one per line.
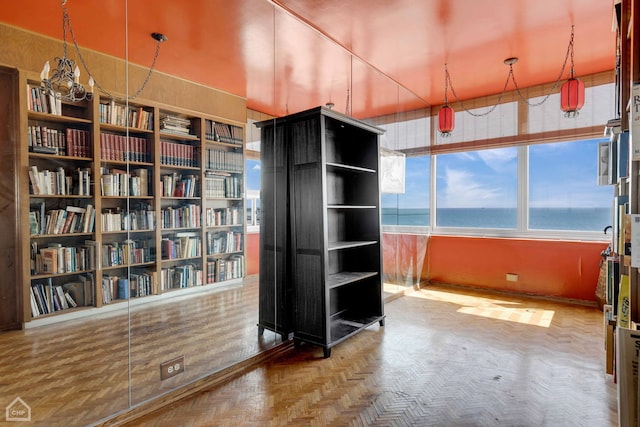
point(446, 357)
point(78, 372)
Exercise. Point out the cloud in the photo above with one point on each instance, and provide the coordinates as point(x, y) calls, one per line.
point(463, 189)
point(256, 167)
point(501, 159)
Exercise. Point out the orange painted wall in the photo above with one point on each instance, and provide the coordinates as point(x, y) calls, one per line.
point(252, 253)
point(566, 269)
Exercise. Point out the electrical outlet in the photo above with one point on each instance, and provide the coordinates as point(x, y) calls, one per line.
point(511, 277)
point(172, 368)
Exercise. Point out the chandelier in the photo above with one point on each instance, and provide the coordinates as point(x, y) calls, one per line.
point(571, 93)
point(64, 80)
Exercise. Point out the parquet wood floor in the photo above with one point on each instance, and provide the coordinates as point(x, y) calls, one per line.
point(78, 372)
point(446, 357)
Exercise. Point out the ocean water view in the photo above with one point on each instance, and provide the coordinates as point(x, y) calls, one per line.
point(574, 219)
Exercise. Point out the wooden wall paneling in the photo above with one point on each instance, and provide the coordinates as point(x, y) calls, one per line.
point(28, 51)
point(10, 297)
point(22, 187)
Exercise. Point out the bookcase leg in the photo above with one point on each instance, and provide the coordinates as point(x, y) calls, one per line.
point(297, 343)
point(326, 352)
point(381, 322)
point(260, 330)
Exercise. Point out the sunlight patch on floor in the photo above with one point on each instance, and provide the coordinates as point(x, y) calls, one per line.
point(492, 308)
point(393, 288)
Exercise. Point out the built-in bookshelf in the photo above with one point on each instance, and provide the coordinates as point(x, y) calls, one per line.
point(127, 201)
point(62, 247)
point(128, 207)
point(224, 212)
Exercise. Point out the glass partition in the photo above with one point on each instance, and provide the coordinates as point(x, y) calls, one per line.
point(204, 317)
point(71, 357)
point(148, 265)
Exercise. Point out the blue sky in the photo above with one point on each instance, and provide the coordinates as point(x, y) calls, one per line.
point(561, 175)
point(565, 175)
point(253, 174)
point(485, 178)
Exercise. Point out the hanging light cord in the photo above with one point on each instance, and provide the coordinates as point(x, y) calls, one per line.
point(66, 23)
point(511, 76)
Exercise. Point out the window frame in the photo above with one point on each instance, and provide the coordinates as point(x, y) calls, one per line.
point(521, 230)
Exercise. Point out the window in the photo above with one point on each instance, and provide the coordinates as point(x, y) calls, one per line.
point(563, 190)
point(412, 207)
point(477, 188)
point(252, 194)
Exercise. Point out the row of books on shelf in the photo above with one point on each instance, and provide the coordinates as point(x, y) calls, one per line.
point(118, 182)
point(178, 185)
point(71, 219)
point(219, 160)
point(42, 100)
point(57, 259)
point(128, 252)
point(141, 217)
point(137, 284)
point(223, 216)
point(182, 276)
point(177, 154)
point(69, 142)
point(182, 245)
point(47, 297)
point(186, 216)
point(126, 116)
point(225, 269)
point(220, 242)
point(60, 182)
point(175, 124)
point(216, 131)
point(219, 186)
point(124, 148)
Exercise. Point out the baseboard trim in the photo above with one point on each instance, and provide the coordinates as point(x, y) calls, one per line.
point(188, 390)
point(572, 301)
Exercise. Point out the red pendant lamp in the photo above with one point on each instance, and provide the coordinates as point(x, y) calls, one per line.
point(446, 120)
point(571, 91)
point(572, 96)
point(446, 115)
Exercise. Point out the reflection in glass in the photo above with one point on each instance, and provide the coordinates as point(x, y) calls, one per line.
point(410, 208)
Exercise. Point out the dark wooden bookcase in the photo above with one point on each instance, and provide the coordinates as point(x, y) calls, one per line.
point(275, 309)
point(325, 251)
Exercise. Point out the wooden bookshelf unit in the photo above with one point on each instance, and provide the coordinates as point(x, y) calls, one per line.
point(128, 202)
point(328, 247)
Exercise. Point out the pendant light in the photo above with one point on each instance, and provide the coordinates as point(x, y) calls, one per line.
point(572, 91)
point(446, 115)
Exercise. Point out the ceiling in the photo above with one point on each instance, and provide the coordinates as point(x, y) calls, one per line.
point(368, 57)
